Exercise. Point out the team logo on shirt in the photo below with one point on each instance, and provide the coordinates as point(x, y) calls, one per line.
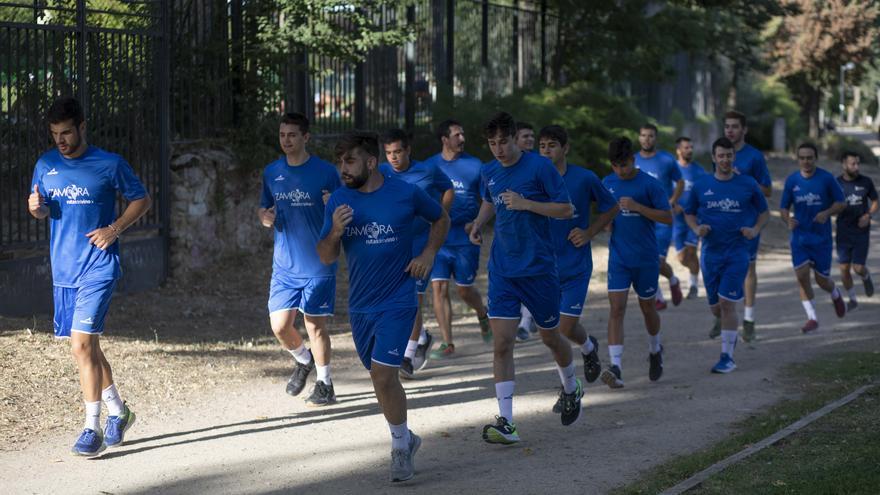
point(296, 197)
point(280, 177)
point(854, 200)
point(75, 194)
point(796, 188)
point(726, 205)
point(857, 188)
point(52, 172)
point(708, 193)
point(457, 184)
point(491, 182)
point(688, 185)
point(809, 199)
point(376, 233)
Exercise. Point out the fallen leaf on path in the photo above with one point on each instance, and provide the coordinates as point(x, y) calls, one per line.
point(528, 451)
point(445, 434)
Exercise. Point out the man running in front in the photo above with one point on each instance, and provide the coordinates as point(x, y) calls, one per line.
point(854, 226)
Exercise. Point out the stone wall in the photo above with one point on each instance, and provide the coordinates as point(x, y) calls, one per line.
point(213, 208)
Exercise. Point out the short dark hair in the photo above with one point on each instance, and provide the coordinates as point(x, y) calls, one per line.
point(394, 135)
point(523, 125)
point(722, 142)
point(809, 146)
point(849, 153)
point(681, 139)
point(501, 122)
point(554, 132)
point(365, 141)
point(620, 150)
point(64, 109)
point(648, 125)
point(297, 119)
point(733, 114)
point(445, 127)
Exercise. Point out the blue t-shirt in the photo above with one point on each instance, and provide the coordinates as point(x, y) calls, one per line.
point(297, 195)
point(584, 188)
point(749, 161)
point(805, 198)
point(464, 174)
point(81, 196)
point(428, 177)
point(633, 241)
point(690, 175)
point(726, 206)
point(522, 246)
point(378, 242)
point(663, 167)
point(858, 193)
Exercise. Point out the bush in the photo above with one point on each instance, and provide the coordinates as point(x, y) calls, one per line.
point(763, 100)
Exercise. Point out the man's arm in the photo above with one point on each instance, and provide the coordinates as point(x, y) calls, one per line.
point(786, 217)
point(420, 266)
point(676, 194)
point(700, 230)
point(267, 216)
point(329, 247)
point(580, 237)
point(514, 201)
point(752, 232)
point(104, 237)
point(37, 204)
point(660, 216)
point(487, 211)
point(447, 198)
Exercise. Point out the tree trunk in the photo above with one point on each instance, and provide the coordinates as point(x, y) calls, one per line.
point(812, 109)
point(732, 91)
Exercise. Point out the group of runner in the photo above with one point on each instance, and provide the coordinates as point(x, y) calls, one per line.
point(405, 225)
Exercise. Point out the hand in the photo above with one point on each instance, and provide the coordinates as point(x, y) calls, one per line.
point(325, 195)
point(420, 266)
point(514, 200)
point(103, 238)
point(342, 216)
point(749, 232)
point(467, 227)
point(864, 221)
point(792, 223)
point(629, 204)
point(677, 209)
point(267, 217)
point(703, 230)
point(821, 217)
point(475, 234)
point(579, 237)
point(36, 201)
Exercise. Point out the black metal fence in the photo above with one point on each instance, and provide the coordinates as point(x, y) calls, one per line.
point(112, 55)
point(463, 47)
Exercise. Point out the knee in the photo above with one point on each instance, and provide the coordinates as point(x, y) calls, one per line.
point(503, 346)
point(550, 337)
point(617, 311)
point(382, 376)
point(464, 292)
point(860, 269)
point(84, 350)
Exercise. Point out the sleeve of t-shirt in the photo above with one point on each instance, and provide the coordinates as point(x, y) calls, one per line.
point(127, 183)
point(604, 200)
point(329, 208)
point(674, 172)
point(872, 192)
point(484, 191)
point(761, 172)
point(441, 180)
point(834, 189)
point(266, 198)
point(785, 202)
point(553, 184)
point(424, 206)
point(759, 202)
point(693, 203)
point(658, 197)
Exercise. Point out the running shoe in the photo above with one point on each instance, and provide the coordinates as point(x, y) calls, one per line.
point(114, 430)
point(522, 334)
point(660, 305)
point(676, 293)
point(612, 376)
point(655, 370)
point(445, 351)
point(592, 365)
point(692, 292)
point(423, 352)
point(406, 369)
point(715, 331)
point(297, 381)
point(570, 405)
point(322, 395)
point(502, 431)
point(839, 306)
point(485, 329)
point(403, 460)
point(869, 286)
point(724, 365)
point(89, 444)
point(810, 326)
point(852, 305)
point(748, 333)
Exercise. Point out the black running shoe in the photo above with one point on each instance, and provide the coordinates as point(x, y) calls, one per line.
point(656, 369)
point(592, 365)
point(869, 286)
point(406, 369)
point(423, 353)
point(571, 405)
point(322, 395)
point(297, 381)
point(612, 376)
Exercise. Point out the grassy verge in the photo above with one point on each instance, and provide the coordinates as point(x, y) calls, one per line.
point(840, 453)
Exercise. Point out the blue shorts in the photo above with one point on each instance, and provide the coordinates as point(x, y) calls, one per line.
point(574, 294)
point(419, 244)
point(683, 235)
point(382, 336)
point(539, 294)
point(642, 278)
point(817, 255)
point(82, 309)
point(724, 275)
point(753, 248)
point(664, 238)
point(311, 296)
point(853, 248)
point(460, 261)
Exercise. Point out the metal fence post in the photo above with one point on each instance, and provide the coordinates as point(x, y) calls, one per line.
point(409, 97)
point(544, 41)
point(81, 69)
point(515, 51)
point(450, 45)
point(302, 101)
point(165, 134)
point(237, 37)
point(484, 42)
point(360, 96)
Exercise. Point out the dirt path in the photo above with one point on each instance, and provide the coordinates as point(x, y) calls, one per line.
point(247, 436)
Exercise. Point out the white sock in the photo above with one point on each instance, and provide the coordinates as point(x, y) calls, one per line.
point(525, 320)
point(674, 281)
point(323, 374)
point(399, 436)
point(567, 377)
point(659, 294)
point(615, 353)
point(110, 396)
point(504, 394)
point(411, 349)
point(93, 416)
point(810, 309)
point(423, 336)
point(835, 293)
point(587, 347)
point(302, 354)
point(852, 293)
point(749, 313)
point(728, 342)
point(693, 280)
point(654, 343)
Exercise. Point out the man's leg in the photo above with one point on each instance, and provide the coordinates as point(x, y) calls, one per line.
point(392, 403)
point(282, 323)
point(751, 291)
point(655, 349)
point(726, 310)
point(802, 274)
point(688, 257)
point(87, 354)
point(442, 308)
point(612, 376)
point(319, 336)
point(504, 333)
